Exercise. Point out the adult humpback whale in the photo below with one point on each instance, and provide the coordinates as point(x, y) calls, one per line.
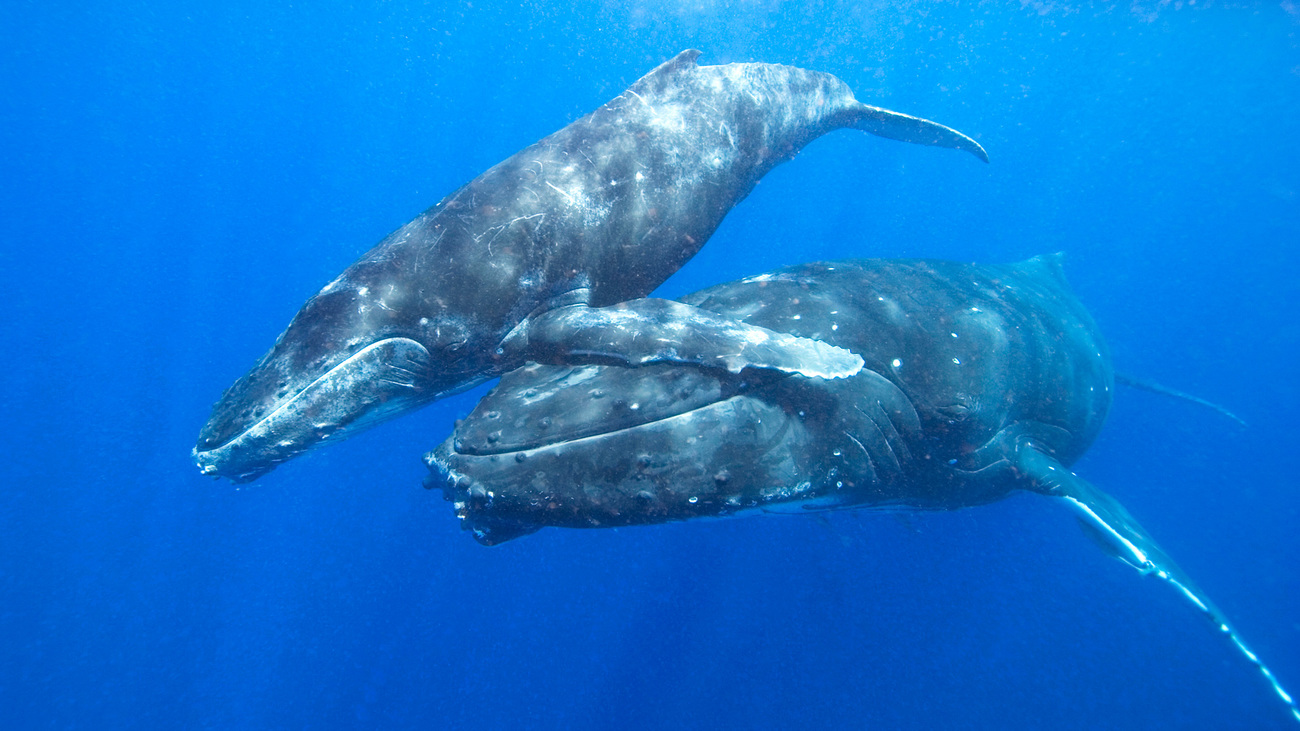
point(536, 259)
point(978, 381)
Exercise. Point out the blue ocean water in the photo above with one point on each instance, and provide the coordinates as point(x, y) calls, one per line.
point(177, 178)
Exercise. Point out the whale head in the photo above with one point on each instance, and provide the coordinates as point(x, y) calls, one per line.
point(351, 358)
point(606, 446)
point(587, 446)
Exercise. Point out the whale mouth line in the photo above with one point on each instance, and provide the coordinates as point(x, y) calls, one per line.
point(349, 362)
point(591, 438)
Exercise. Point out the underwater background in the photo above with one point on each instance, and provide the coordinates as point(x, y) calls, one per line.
point(177, 178)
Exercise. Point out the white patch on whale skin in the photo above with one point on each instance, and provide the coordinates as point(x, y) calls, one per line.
point(669, 118)
point(770, 277)
point(590, 212)
point(568, 196)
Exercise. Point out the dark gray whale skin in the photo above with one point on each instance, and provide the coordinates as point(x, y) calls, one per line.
point(978, 381)
point(504, 270)
point(963, 363)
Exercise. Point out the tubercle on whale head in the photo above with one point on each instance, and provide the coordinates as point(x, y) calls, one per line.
point(459, 490)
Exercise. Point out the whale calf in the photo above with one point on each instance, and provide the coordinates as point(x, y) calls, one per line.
point(548, 257)
point(978, 381)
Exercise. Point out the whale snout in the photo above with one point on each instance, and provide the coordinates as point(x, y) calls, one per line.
point(273, 413)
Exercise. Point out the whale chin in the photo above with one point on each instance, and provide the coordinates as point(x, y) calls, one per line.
point(382, 380)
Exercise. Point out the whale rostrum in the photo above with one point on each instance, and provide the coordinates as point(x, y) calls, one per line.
point(548, 257)
point(978, 381)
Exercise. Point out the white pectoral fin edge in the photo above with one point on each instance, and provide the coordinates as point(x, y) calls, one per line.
point(1127, 541)
point(652, 330)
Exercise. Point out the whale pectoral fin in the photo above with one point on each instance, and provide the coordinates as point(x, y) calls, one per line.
point(906, 128)
point(644, 331)
point(1113, 528)
point(1153, 387)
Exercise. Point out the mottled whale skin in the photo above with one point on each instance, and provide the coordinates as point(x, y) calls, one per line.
point(544, 258)
point(963, 364)
point(978, 381)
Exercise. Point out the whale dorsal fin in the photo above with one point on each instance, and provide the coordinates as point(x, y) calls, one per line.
point(662, 75)
point(683, 60)
point(652, 330)
point(1045, 266)
point(1119, 534)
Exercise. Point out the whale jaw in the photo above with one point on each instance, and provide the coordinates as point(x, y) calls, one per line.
point(382, 380)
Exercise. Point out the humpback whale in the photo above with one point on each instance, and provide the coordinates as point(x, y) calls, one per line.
point(978, 381)
point(548, 257)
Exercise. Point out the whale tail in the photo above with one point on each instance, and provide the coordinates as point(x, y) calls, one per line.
point(1118, 533)
point(906, 128)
